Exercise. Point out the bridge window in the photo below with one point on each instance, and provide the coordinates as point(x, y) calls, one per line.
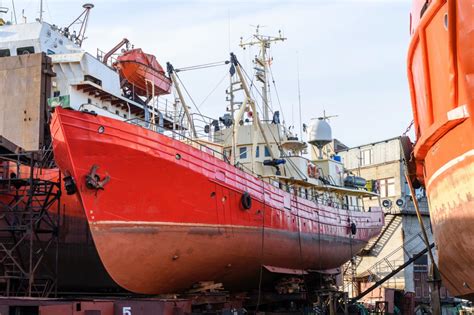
point(267, 152)
point(243, 152)
point(25, 50)
point(257, 151)
point(4, 52)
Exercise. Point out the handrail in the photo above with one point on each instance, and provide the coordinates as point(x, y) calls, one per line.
point(323, 198)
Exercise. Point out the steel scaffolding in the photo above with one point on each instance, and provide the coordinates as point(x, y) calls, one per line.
point(29, 225)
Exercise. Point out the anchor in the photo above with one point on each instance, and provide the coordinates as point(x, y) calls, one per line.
point(93, 180)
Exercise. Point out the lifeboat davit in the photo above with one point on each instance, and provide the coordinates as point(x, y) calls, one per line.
point(143, 72)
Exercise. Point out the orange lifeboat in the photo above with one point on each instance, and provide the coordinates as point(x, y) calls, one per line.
point(143, 72)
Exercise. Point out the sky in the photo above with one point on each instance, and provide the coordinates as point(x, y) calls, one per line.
point(350, 54)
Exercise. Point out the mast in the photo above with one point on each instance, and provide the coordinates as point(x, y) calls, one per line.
point(248, 101)
point(41, 11)
point(264, 43)
point(14, 11)
point(299, 95)
point(81, 36)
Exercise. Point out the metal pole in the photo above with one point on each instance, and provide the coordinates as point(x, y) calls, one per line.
point(14, 11)
point(183, 103)
point(264, 87)
point(435, 281)
point(41, 11)
point(30, 225)
point(58, 224)
point(248, 97)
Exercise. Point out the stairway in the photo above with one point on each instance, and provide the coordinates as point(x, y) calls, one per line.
point(394, 272)
point(375, 246)
point(394, 259)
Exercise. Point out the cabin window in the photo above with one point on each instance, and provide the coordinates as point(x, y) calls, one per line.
point(25, 50)
point(267, 152)
point(50, 52)
point(257, 151)
point(4, 52)
point(243, 152)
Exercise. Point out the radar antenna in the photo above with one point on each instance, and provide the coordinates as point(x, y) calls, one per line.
point(261, 61)
point(82, 19)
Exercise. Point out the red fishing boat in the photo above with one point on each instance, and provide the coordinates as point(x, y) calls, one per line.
point(143, 72)
point(168, 210)
point(165, 215)
point(441, 71)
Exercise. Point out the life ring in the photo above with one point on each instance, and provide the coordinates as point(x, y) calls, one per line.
point(353, 228)
point(311, 170)
point(246, 201)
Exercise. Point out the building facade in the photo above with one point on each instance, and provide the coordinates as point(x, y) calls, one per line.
point(382, 165)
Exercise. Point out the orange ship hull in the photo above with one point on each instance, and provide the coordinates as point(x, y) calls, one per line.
point(170, 215)
point(441, 72)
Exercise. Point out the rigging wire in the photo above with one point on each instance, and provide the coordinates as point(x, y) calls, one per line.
point(203, 66)
point(299, 94)
point(189, 95)
point(48, 10)
point(408, 128)
point(276, 93)
point(214, 89)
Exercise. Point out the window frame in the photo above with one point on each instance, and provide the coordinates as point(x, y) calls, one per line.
point(363, 157)
point(267, 152)
point(387, 187)
point(9, 53)
point(19, 51)
point(243, 151)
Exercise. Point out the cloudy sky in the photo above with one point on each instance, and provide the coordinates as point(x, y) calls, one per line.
point(351, 53)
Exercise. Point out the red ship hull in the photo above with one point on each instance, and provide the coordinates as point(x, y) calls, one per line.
point(441, 71)
point(171, 214)
point(79, 265)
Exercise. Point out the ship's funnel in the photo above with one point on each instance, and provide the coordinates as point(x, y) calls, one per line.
point(319, 133)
